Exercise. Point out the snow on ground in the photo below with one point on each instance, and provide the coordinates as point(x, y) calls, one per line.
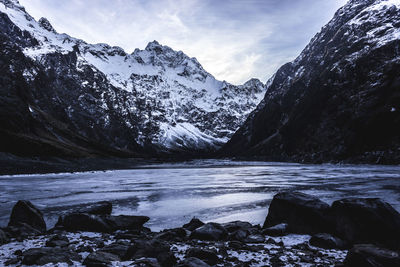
point(8, 251)
point(291, 252)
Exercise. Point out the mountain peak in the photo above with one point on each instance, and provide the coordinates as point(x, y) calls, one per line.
point(45, 24)
point(254, 85)
point(253, 81)
point(10, 2)
point(356, 4)
point(158, 54)
point(153, 45)
point(362, 1)
point(13, 4)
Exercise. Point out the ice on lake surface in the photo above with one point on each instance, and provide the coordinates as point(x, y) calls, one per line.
point(211, 190)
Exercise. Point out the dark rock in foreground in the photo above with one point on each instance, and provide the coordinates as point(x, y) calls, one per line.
point(193, 262)
point(100, 223)
point(3, 237)
point(42, 256)
point(22, 231)
point(57, 241)
point(118, 248)
point(83, 222)
point(167, 259)
point(243, 232)
point(238, 243)
point(327, 241)
point(303, 213)
point(176, 234)
point(126, 222)
point(146, 262)
point(237, 225)
point(193, 224)
point(24, 212)
point(368, 220)
point(276, 230)
point(98, 259)
point(371, 256)
point(99, 208)
point(208, 256)
point(355, 220)
point(210, 231)
point(149, 249)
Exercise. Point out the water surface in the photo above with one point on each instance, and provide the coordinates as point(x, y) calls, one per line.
point(221, 191)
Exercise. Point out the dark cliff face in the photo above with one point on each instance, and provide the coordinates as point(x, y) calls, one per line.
point(33, 115)
point(339, 100)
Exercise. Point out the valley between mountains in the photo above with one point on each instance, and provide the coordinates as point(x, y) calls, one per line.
point(339, 101)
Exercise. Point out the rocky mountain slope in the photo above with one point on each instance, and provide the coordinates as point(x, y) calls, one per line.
point(340, 99)
point(63, 96)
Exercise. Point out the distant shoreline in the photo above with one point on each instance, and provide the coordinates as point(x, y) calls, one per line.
point(15, 165)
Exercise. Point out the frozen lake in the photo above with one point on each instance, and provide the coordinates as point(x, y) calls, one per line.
point(220, 191)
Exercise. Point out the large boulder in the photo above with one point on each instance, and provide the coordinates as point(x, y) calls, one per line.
point(100, 223)
point(42, 256)
point(24, 212)
point(58, 241)
point(236, 225)
point(176, 234)
point(117, 248)
point(98, 208)
point(367, 255)
point(125, 222)
point(238, 230)
point(146, 262)
point(255, 239)
point(207, 255)
point(210, 231)
point(276, 230)
point(22, 231)
point(147, 249)
point(167, 259)
point(99, 258)
point(193, 262)
point(239, 235)
point(193, 224)
point(327, 241)
point(367, 220)
point(3, 237)
point(84, 222)
point(303, 213)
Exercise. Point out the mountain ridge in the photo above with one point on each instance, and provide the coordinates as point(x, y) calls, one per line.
point(337, 101)
point(154, 100)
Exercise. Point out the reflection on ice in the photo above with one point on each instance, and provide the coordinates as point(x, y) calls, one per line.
point(171, 194)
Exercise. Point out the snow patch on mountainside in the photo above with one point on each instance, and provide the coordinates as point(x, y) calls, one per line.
point(50, 41)
point(172, 136)
point(385, 31)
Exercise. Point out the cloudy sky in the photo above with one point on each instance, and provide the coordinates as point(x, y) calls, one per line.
point(234, 40)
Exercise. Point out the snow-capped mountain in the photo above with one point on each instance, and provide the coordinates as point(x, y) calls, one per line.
point(340, 99)
point(78, 93)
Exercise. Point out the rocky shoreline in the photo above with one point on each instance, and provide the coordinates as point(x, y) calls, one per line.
point(300, 230)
